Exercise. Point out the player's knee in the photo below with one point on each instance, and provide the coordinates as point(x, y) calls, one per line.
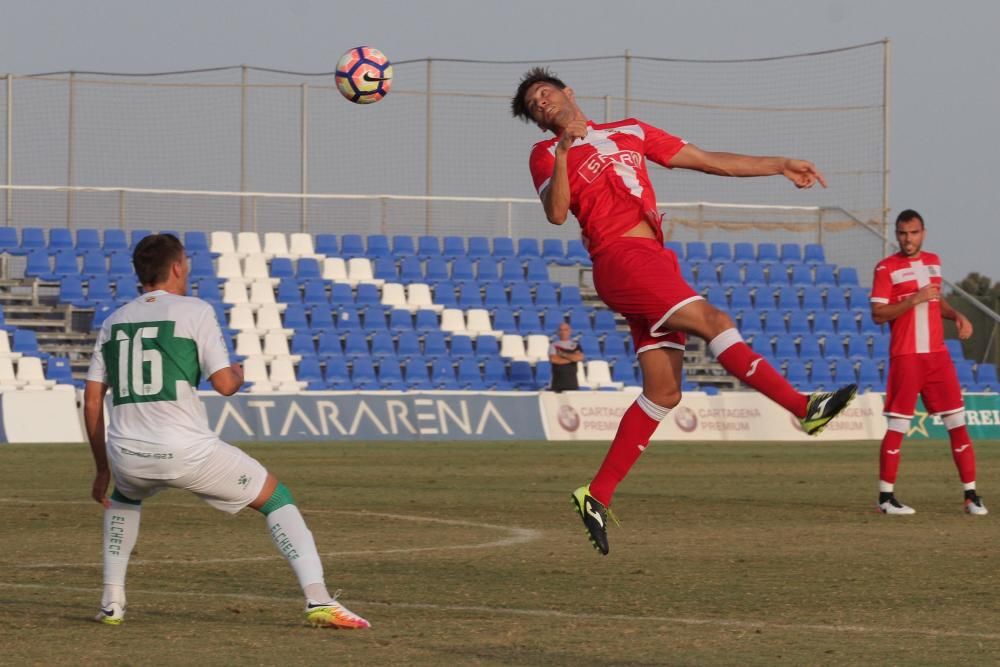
point(665, 398)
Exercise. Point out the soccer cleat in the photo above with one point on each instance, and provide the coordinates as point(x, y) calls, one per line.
point(332, 614)
point(974, 506)
point(595, 518)
point(821, 408)
point(113, 614)
point(893, 506)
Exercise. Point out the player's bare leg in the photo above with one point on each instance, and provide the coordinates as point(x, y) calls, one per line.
point(295, 542)
point(661, 391)
point(704, 320)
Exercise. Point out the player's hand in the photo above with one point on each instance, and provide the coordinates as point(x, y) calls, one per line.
point(964, 326)
point(237, 368)
point(576, 129)
point(927, 293)
point(802, 173)
point(99, 491)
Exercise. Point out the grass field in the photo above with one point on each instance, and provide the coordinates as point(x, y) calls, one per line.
point(740, 554)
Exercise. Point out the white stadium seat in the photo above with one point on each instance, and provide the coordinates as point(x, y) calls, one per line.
point(29, 371)
point(248, 345)
point(283, 376)
point(478, 323)
point(255, 371)
point(261, 292)
point(418, 297)
point(276, 347)
point(5, 352)
point(269, 320)
point(275, 244)
point(241, 318)
point(452, 321)
point(248, 243)
point(301, 245)
point(394, 295)
point(359, 270)
point(335, 269)
point(537, 348)
point(8, 380)
point(222, 243)
point(255, 268)
point(512, 347)
point(599, 375)
point(229, 268)
point(234, 292)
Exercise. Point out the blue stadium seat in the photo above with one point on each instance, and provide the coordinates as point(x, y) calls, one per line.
point(529, 321)
point(791, 253)
point(436, 270)
point(834, 347)
point(402, 246)
point(543, 374)
point(453, 248)
point(382, 344)
point(788, 299)
point(408, 345)
point(460, 347)
point(825, 276)
point(836, 298)
point(347, 318)
point(880, 346)
point(487, 271)
point(521, 376)
point(60, 370)
point(767, 253)
point(706, 275)
point(9, 242)
point(773, 321)
point(623, 371)
point(511, 271)
point(503, 320)
point(60, 238)
point(569, 296)
point(537, 271)
point(435, 344)
point(739, 298)
point(356, 344)
point(469, 376)
point(137, 235)
point(687, 274)
point(590, 345)
point(731, 275)
point(716, 295)
point(784, 348)
point(847, 276)
point(616, 347)
point(302, 344)
point(335, 374)
point(823, 324)
point(843, 373)
point(101, 313)
point(96, 264)
point(954, 347)
point(71, 292)
point(208, 290)
point(857, 348)
point(308, 268)
point(462, 270)
point(400, 320)
point(363, 373)
point(579, 320)
point(801, 275)
point(528, 249)
point(965, 376)
point(428, 247)
point(377, 245)
point(487, 347)
point(743, 253)
point(812, 298)
point(314, 293)
point(986, 375)
point(310, 371)
point(114, 240)
point(87, 239)
point(868, 326)
point(797, 376)
point(545, 295)
point(869, 376)
point(443, 374)
point(411, 270)
point(676, 247)
point(326, 244)
point(32, 238)
point(520, 295)
point(288, 291)
point(415, 372)
point(847, 323)
point(196, 242)
point(821, 377)
point(65, 264)
point(858, 299)
point(25, 341)
point(813, 254)
point(495, 375)
point(427, 320)
point(750, 323)
point(696, 252)
point(809, 348)
point(351, 246)
point(576, 253)
point(503, 247)
point(281, 267)
point(496, 296)
point(754, 275)
point(328, 346)
point(99, 291)
point(720, 252)
point(374, 317)
point(321, 319)
point(469, 296)
point(384, 268)
point(479, 247)
point(798, 323)
point(38, 266)
point(551, 318)
point(295, 318)
point(553, 251)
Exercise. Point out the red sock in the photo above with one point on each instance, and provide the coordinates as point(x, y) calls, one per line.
point(743, 363)
point(888, 456)
point(634, 431)
point(963, 453)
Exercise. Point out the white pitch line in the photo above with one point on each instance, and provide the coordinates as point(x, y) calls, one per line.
point(553, 613)
point(516, 535)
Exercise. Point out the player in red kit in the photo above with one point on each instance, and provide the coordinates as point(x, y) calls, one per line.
point(598, 172)
point(907, 293)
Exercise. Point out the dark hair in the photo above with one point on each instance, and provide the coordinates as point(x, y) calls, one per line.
point(907, 215)
point(518, 108)
point(153, 256)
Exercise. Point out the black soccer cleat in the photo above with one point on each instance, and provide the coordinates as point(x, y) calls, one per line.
point(595, 518)
point(822, 407)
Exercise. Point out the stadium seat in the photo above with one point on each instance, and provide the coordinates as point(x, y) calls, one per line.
point(469, 376)
point(248, 243)
point(857, 348)
point(31, 376)
point(347, 318)
point(389, 374)
point(469, 296)
point(731, 275)
point(377, 246)
point(553, 251)
point(784, 348)
point(836, 298)
point(529, 321)
point(71, 292)
point(335, 269)
point(696, 251)
point(767, 253)
point(400, 320)
point(503, 248)
point(825, 276)
point(300, 244)
point(478, 322)
point(511, 271)
point(545, 296)
point(590, 345)
point(384, 268)
point(87, 239)
point(963, 369)
point(520, 296)
point(579, 320)
point(443, 374)
point(96, 264)
point(453, 248)
point(954, 347)
point(367, 295)
point(772, 321)
point(59, 370)
point(604, 321)
point(716, 295)
point(487, 347)
point(335, 374)
point(788, 299)
point(503, 320)
point(813, 254)
point(820, 376)
point(302, 345)
point(880, 346)
point(359, 270)
point(479, 248)
point(436, 271)
point(462, 270)
point(528, 248)
point(428, 247)
point(791, 253)
point(858, 299)
point(460, 347)
point(114, 240)
point(719, 252)
point(576, 253)
point(402, 246)
point(569, 296)
point(801, 275)
point(363, 373)
point(823, 324)
point(706, 275)
point(812, 298)
point(623, 372)
point(310, 372)
point(739, 298)
point(797, 376)
point(326, 244)
point(750, 323)
point(743, 253)
point(495, 375)
point(798, 323)
point(754, 276)
point(382, 344)
point(60, 238)
point(537, 271)
point(986, 376)
point(521, 376)
point(427, 320)
point(352, 246)
point(255, 268)
point(847, 276)
point(416, 374)
point(809, 348)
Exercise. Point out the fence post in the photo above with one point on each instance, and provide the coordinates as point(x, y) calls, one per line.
point(69, 149)
point(428, 165)
point(304, 167)
point(628, 83)
point(886, 54)
point(510, 226)
point(121, 210)
point(701, 222)
point(8, 216)
point(243, 146)
point(607, 108)
point(819, 226)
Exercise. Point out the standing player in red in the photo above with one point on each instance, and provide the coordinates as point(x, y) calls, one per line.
point(598, 172)
point(907, 294)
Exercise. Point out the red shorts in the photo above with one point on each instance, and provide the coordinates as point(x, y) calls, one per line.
point(641, 279)
point(931, 375)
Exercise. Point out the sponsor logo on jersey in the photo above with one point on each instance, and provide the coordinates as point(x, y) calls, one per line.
point(597, 163)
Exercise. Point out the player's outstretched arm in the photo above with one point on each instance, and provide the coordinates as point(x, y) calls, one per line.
point(886, 312)
point(93, 419)
point(227, 381)
point(802, 173)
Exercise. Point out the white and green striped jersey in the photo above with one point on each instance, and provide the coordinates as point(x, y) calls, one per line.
point(152, 352)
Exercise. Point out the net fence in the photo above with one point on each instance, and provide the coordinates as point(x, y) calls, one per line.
point(444, 131)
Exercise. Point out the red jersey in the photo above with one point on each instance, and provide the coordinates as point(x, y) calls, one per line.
point(610, 190)
point(918, 330)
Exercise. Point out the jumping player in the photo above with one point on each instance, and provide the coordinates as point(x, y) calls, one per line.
point(150, 353)
point(907, 293)
point(598, 172)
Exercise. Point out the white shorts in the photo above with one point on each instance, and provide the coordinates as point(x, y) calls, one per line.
point(229, 479)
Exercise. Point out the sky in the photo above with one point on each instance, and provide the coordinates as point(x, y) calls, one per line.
point(944, 94)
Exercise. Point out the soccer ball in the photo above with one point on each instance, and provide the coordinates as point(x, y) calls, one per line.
point(364, 75)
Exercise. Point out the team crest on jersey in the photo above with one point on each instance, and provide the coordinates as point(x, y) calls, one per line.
point(598, 162)
point(150, 299)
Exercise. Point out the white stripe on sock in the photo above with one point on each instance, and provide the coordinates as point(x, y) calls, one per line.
point(655, 412)
point(724, 341)
point(885, 487)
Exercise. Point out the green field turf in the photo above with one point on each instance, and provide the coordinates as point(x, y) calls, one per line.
point(467, 553)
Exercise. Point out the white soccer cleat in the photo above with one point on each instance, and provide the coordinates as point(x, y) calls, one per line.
point(112, 614)
point(893, 506)
point(975, 506)
point(332, 614)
